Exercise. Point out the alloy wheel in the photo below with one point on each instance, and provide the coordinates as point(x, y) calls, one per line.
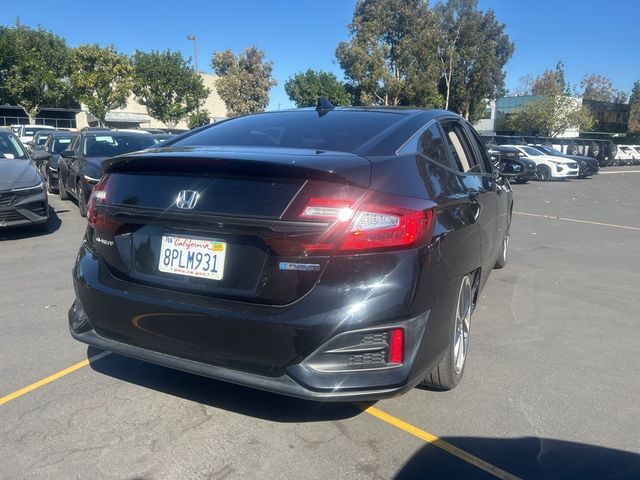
point(461, 330)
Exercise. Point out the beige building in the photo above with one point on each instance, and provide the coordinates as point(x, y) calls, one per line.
point(135, 115)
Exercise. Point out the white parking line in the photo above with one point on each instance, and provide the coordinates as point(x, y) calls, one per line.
point(551, 217)
point(611, 172)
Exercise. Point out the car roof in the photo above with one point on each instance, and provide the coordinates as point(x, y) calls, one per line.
point(502, 147)
point(369, 109)
point(120, 133)
point(62, 133)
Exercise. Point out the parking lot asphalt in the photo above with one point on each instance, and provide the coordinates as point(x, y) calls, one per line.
point(551, 389)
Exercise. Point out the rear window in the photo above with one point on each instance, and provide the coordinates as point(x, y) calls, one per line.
point(61, 144)
point(335, 130)
point(31, 131)
point(111, 145)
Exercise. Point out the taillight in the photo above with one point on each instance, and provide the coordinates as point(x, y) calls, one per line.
point(100, 196)
point(358, 221)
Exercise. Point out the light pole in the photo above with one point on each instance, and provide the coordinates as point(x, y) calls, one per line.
point(195, 50)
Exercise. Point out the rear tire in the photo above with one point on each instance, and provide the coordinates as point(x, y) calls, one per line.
point(544, 173)
point(504, 252)
point(62, 190)
point(50, 189)
point(572, 149)
point(448, 373)
point(82, 202)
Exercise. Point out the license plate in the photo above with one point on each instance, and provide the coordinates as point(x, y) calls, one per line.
point(193, 257)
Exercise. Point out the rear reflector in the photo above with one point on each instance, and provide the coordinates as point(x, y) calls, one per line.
point(396, 346)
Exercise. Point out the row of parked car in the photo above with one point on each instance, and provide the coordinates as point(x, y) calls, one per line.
point(522, 163)
point(62, 161)
point(628, 155)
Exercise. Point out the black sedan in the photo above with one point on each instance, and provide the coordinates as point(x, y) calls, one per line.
point(329, 253)
point(23, 199)
point(80, 166)
point(587, 166)
point(47, 157)
point(510, 162)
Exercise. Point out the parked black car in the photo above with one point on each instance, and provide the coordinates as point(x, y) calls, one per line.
point(80, 166)
point(23, 200)
point(47, 157)
point(510, 163)
point(587, 166)
point(329, 254)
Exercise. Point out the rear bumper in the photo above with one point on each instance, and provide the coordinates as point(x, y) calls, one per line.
point(268, 348)
point(283, 384)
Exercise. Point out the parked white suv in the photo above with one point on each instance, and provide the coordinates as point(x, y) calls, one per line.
point(627, 155)
point(548, 166)
point(26, 132)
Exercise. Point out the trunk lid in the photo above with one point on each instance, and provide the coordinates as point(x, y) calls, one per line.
point(242, 196)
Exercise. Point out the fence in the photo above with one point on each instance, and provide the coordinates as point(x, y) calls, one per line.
point(54, 122)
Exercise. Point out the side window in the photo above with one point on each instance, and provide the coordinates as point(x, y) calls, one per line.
point(459, 147)
point(482, 149)
point(431, 145)
point(74, 145)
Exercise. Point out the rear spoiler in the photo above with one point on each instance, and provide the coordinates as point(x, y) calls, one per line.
point(341, 167)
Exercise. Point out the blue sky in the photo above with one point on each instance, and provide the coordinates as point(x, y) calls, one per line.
point(590, 36)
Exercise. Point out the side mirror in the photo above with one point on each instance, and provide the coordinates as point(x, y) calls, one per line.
point(40, 155)
point(68, 154)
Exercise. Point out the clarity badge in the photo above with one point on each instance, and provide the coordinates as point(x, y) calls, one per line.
point(302, 267)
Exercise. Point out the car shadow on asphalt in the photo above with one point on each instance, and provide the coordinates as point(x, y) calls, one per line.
point(52, 225)
point(218, 394)
point(525, 457)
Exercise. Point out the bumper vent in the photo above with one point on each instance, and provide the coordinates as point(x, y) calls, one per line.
point(369, 359)
point(359, 350)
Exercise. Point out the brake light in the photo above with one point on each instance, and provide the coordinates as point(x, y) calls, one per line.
point(357, 221)
point(97, 220)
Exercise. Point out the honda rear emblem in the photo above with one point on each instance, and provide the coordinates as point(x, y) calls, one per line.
point(187, 199)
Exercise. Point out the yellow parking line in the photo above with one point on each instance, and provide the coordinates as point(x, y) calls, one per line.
point(437, 442)
point(375, 412)
point(51, 378)
point(551, 217)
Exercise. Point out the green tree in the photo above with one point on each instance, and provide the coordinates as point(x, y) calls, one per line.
point(166, 84)
point(34, 67)
point(550, 116)
point(599, 88)
point(634, 108)
point(477, 49)
point(390, 59)
point(101, 78)
point(551, 82)
point(245, 80)
point(304, 88)
point(198, 119)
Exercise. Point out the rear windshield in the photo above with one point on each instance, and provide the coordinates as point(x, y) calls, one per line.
point(335, 130)
point(60, 144)
point(112, 144)
point(10, 147)
point(41, 140)
point(31, 131)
